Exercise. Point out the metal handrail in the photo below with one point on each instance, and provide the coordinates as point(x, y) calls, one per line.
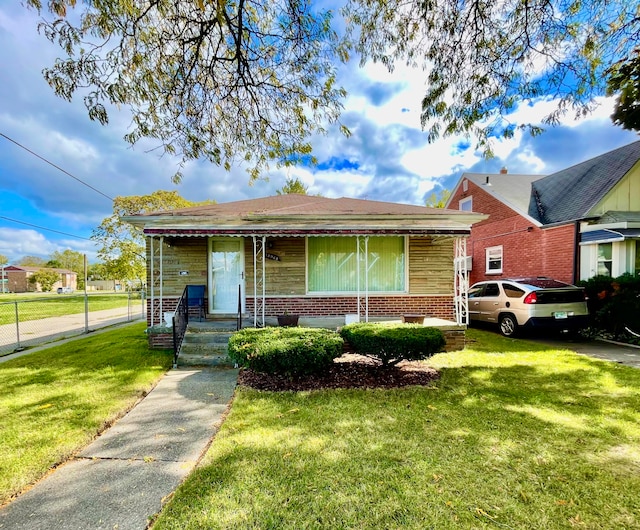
point(239, 315)
point(180, 322)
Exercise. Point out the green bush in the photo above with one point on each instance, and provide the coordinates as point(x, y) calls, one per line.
point(283, 350)
point(391, 344)
point(614, 304)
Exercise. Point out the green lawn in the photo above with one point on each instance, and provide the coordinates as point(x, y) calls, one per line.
point(36, 307)
point(514, 435)
point(53, 402)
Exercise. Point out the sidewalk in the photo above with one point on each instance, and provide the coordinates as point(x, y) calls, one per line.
point(41, 331)
point(122, 479)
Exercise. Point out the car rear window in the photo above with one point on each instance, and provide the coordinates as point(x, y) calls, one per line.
point(512, 291)
point(560, 297)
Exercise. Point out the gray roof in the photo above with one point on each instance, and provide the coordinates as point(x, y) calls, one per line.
point(298, 215)
point(511, 189)
point(570, 194)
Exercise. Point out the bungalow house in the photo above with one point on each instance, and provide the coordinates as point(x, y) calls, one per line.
point(18, 278)
point(312, 256)
point(571, 225)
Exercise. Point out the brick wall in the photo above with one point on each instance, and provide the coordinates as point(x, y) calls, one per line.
point(527, 249)
point(161, 341)
point(455, 339)
point(390, 305)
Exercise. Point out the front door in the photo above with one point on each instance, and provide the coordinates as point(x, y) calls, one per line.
point(226, 275)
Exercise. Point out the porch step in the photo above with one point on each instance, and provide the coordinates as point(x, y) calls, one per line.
point(201, 347)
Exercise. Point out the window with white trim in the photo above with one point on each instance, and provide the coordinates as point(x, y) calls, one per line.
point(332, 264)
point(605, 259)
point(494, 260)
point(466, 205)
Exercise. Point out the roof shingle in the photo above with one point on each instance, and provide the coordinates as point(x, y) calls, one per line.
point(571, 193)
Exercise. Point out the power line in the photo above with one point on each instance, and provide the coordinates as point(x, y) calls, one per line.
point(43, 228)
point(57, 167)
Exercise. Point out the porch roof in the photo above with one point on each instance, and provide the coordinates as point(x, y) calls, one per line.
point(302, 215)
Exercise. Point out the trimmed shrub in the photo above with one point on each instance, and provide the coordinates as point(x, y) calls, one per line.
point(391, 344)
point(614, 304)
point(288, 351)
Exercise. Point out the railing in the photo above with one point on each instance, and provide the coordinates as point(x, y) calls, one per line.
point(180, 321)
point(239, 314)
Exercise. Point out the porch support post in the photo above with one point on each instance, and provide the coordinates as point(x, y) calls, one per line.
point(259, 246)
point(366, 278)
point(358, 274)
point(161, 314)
point(460, 282)
point(363, 303)
point(152, 278)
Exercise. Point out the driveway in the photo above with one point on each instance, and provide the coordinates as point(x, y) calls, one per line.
point(606, 350)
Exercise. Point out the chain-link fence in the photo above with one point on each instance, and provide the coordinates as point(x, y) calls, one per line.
point(28, 321)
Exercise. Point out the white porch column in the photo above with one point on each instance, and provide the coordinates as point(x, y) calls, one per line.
point(363, 303)
point(460, 281)
point(259, 246)
point(161, 279)
point(151, 279)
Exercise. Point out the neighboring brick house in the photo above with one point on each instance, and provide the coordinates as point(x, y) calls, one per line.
point(18, 278)
point(571, 225)
point(307, 255)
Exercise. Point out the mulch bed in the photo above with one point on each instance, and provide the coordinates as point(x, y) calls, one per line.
point(348, 371)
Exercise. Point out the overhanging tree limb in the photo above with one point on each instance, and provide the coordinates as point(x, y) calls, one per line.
point(483, 57)
point(246, 81)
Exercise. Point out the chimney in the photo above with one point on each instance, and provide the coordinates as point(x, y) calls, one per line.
point(504, 170)
point(486, 181)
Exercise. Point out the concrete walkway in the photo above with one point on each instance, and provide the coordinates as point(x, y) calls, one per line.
point(121, 480)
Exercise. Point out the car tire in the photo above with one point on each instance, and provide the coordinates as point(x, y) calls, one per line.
point(508, 325)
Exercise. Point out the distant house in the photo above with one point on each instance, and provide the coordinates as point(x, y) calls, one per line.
point(18, 278)
point(571, 225)
point(312, 256)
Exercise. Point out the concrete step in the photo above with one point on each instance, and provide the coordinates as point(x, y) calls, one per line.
point(207, 338)
point(207, 326)
point(205, 346)
point(204, 359)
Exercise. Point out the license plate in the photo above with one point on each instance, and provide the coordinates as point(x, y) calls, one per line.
point(560, 314)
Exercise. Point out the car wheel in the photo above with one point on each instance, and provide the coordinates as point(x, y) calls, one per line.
point(508, 325)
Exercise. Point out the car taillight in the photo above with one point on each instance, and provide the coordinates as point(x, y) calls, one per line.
point(531, 298)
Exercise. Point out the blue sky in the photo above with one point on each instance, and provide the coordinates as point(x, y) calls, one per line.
point(386, 158)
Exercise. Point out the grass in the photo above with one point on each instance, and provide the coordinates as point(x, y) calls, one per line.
point(54, 401)
point(36, 308)
point(514, 435)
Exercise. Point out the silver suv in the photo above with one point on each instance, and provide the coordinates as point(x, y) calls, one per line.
point(528, 302)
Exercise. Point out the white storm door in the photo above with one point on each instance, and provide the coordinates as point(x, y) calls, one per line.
point(226, 275)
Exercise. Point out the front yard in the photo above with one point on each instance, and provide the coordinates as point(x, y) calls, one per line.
point(513, 435)
point(55, 401)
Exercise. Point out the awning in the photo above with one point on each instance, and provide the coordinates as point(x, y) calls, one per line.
point(284, 232)
point(608, 235)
